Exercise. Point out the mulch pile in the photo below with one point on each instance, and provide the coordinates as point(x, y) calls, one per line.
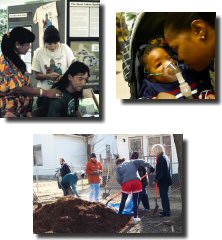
point(74, 215)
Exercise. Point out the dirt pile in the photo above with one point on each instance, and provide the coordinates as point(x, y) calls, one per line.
point(74, 215)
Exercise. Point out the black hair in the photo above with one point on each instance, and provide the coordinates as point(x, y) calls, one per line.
point(20, 35)
point(74, 69)
point(177, 22)
point(135, 155)
point(93, 155)
point(148, 50)
point(119, 161)
point(51, 35)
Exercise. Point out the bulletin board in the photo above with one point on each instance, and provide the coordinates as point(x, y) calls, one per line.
point(22, 15)
point(83, 36)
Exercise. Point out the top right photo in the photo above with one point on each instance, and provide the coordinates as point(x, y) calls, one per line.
point(167, 56)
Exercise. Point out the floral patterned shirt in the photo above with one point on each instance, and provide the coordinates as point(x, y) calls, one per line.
point(11, 78)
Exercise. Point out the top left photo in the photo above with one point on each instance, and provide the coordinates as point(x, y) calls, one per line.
point(49, 59)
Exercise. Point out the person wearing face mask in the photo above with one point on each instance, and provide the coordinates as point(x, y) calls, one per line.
point(193, 36)
point(15, 84)
point(161, 83)
point(51, 61)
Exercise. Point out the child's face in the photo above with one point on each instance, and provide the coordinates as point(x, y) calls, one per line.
point(156, 62)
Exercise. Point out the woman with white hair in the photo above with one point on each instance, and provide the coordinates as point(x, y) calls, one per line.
point(163, 178)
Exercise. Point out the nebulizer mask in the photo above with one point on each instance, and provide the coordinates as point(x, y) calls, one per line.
point(184, 87)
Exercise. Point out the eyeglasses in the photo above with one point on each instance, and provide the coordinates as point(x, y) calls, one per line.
point(152, 74)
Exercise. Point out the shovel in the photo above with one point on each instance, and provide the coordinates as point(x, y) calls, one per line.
point(107, 192)
point(157, 206)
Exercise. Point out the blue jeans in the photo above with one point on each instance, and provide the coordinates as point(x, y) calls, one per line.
point(94, 192)
point(144, 198)
point(69, 180)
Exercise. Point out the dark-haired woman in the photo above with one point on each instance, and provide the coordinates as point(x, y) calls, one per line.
point(193, 36)
point(15, 84)
point(71, 85)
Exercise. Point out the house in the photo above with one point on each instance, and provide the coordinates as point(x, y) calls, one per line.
point(49, 148)
point(76, 148)
point(142, 143)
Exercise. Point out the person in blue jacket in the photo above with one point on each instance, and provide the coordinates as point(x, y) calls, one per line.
point(70, 180)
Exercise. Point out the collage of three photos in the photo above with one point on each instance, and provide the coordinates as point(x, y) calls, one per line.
point(50, 68)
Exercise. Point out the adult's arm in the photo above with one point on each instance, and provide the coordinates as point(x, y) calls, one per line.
point(54, 76)
point(88, 169)
point(161, 169)
point(118, 176)
point(35, 92)
point(142, 163)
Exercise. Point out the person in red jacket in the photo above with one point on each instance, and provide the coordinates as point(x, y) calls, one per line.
point(94, 170)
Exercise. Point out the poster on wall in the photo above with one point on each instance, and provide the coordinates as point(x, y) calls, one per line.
point(84, 19)
point(88, 52)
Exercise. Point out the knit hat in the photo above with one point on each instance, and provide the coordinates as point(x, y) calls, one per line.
point(51, 35)
point(93, 155)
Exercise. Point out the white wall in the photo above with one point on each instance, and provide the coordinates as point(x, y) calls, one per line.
point(99, 142)
point(71, 148)
point(47, 143)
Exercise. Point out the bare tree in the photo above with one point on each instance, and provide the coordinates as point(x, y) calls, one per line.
point(178, 139)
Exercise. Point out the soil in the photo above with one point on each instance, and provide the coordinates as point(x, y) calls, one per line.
point(74, 215)
point(58, 216)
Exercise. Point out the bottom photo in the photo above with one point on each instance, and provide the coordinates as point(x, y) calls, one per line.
point(109, 184)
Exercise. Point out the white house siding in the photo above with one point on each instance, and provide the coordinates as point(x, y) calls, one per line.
point(72, 148)
point(47, 145)
point(99, 142)
point(123, 146)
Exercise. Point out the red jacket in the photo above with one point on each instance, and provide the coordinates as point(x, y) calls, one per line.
point(94, 170)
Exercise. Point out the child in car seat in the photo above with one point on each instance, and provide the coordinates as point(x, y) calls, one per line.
point(160, 83)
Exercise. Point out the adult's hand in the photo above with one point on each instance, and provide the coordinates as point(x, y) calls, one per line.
point(53, 76)
point(96, 172)
point(211, 96)
point(164, 95)
point(52, 93)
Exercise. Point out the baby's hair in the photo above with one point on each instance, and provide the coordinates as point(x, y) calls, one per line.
point(147, 51)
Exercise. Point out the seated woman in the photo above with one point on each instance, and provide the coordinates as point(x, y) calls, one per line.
point(161, 83)
point(71, 85)
point(15, 84)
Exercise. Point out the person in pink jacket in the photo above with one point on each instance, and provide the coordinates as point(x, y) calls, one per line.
point(94, 170)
